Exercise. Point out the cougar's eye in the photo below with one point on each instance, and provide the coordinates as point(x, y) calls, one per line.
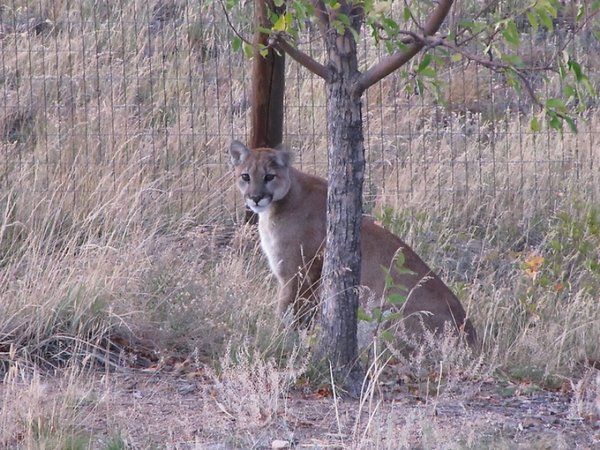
point(269, 177)
point(245, 177)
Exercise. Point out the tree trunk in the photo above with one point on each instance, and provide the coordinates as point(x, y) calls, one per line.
point(341, 270)
point(268, 87)
point(268, 84)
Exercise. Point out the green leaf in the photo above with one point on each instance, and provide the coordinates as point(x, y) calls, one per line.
point(580, 13)
point(388, 279)
point(548, 5)
point(424, 62)
point(456, 57)
point(280, 24)
point(396, 299)
point(390, 26)
point(513, 81)
point(465, 23)
point(230, 4)
point(556, 104)
point(533, 21)
point(439, 95)
point(472, 26)
point(554, 121)
point(546, 20)
point(569, 91)
point(394, 317)
point(377, 314)
point(280, 3)
point(344, 19)
point(355, 34)
point(589, 87)
point(263, 50)
point(511, 34)
point(406, 14)
point(363, 316)
point(399, 260)
point(401, 46)
point(339, 27)
point(264, 30)
point(572, 124)
point(576, 69)
point(248, 50)
point(304, 10)
point(428, 72)
point(420, 87)
point(273, 16)
point(387, 336)
point(534, 125)
point(236, 44)
point(374, 32)
point(368, 6)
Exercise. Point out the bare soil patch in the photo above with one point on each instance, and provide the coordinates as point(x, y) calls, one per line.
point(178, 410)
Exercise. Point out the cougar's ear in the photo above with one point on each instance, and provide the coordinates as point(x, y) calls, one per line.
point(238, 153)
point(283, 157)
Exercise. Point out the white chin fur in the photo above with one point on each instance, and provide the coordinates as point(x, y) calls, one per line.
point(258, 208)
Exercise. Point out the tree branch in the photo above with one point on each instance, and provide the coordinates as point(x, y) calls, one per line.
point(322, 16)
point(387, 65)
point(429, 42)
point(498, 66)
point(412, 16)
point(494, 65)
point(276, 40)
point(235, 31)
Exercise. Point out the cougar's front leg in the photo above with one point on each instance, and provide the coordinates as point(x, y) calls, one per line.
point(300, 295)
point(306, 305)
point(286, 296)
point(301, 288)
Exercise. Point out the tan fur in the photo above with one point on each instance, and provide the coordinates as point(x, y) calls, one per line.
point(292, 219)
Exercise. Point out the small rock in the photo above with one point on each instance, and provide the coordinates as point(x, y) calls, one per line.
point(186, 388)
point(531, 422)
point(280, 443)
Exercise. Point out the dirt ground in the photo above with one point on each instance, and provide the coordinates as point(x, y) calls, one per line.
point(181, 411)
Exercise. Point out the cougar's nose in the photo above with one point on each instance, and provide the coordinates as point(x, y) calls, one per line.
point(256, 198)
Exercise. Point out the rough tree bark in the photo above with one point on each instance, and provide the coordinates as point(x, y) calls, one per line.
point(341, 266)
point(268, 87)
point(345, 85)
point(268, 84)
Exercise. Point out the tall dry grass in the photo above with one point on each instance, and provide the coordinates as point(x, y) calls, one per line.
point(117, 212)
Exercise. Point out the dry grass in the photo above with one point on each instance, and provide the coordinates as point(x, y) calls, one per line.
point(48, 415)
point(250, 388)
point(117, 244)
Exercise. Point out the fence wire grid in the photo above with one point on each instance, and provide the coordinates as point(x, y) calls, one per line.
point(103, 96)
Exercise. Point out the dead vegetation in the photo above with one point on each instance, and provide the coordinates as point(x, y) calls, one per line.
point(136, 313)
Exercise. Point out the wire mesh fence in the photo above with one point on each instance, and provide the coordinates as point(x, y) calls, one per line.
point(99, 98)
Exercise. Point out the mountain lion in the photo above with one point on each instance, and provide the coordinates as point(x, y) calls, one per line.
point(291, 206)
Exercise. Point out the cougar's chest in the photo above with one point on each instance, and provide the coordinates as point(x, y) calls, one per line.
point(267, 229)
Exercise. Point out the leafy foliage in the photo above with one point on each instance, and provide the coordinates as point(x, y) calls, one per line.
point(395, 298)
point(491, 36)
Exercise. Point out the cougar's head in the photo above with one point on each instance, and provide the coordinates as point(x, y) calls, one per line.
point(262, 174)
